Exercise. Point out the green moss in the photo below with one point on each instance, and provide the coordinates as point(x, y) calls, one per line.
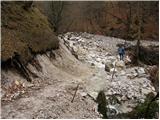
point(146, 110)
point(22, 29)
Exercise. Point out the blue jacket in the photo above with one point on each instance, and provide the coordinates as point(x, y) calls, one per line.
point(121, 50)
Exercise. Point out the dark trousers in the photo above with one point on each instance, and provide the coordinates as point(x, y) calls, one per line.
point(121, 56)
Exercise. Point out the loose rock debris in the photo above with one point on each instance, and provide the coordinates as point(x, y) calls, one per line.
point(82, 58)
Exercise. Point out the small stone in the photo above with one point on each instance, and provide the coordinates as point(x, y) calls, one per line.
point(16, 94)
point(120, 64)
point(109, 92)
point(113, 69)
point(92, 64)
point(83, 94)
point(153, 89)
point(98, 59)
point(141, 71)
point(22, 91)
point(127, 60)
point(123, 72)
point(17, 82)
point(124, 98)
point(30, 85)
point(107, 68)
point(132, 75)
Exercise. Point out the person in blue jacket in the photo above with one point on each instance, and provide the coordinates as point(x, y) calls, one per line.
point(121, 52)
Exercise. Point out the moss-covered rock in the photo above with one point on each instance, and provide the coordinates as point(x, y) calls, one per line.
point(147, 110)
point(25, 31)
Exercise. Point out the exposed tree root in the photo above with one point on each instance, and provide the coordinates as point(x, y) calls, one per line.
point(16, 63)
point(36, 64)
point(22, 68)
point(52, 55)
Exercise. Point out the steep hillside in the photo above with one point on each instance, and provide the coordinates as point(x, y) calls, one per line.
point(25, 31)
point(110, 18)
point(51, 92)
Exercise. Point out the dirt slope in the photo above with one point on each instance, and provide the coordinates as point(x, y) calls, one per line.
point(57, 73)
point(50, 94)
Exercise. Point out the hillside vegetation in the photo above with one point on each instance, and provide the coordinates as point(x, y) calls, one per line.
point(109, 18)
point(25, 31)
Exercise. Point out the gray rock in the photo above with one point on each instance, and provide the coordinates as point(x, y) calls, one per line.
point(92, 64)
point(141, 72)
point(124, 98)
point(120, 64)
point(108, 66)
point(127, 60)
point(100, 52)
point(83, 94)
point(112, 110)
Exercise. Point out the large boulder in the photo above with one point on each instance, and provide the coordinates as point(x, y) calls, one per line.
point(108, 66)
point(127, 60)
point(120, 65)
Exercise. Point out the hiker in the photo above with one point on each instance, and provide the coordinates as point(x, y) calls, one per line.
point(121, 52)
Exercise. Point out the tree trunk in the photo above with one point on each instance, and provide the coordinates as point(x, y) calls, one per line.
point(139, 32)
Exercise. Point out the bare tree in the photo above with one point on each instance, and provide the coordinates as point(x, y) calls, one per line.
point(118, 19)
point(68, 26)
point(139, 31)
point(57, 10)
point(95, 15)
point(28, 5)
point(126, 17)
